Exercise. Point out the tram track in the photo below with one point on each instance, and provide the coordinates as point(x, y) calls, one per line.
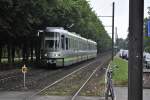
point(14, 82)
point(91, 70)
point(37, 79)
point(57, 81)
point(99, 69)
point(31, 80)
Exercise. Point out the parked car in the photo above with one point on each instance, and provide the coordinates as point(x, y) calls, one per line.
point(123, 54)
point(146, 57)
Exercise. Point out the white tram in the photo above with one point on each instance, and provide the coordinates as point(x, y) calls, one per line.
point(63, 48)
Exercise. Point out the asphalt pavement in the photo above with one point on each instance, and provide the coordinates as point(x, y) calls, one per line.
point(120, 92)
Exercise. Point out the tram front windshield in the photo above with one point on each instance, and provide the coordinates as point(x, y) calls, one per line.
point(52, 41)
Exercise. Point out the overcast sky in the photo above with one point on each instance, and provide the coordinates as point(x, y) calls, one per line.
point(104, 8)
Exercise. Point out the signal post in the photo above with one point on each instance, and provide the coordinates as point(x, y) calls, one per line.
point(24, 71)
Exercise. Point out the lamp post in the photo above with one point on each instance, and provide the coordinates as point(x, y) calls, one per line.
point(113, 12)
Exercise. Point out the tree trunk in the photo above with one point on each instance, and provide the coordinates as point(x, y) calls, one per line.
point(37, 50)
point(9, 52)
point(31, 52)
point(37, 53)
point(13, 54)
point(23, 53)
point(27, 52)
point(0, 54)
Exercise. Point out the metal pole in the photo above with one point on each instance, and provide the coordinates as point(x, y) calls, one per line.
point(113, 10)
point(135, 65)
point(24, 80)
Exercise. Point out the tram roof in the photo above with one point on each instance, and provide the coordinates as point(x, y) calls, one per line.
point(63, 31)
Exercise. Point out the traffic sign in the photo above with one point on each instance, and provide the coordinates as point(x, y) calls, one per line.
point(148, 23)
point(24, 69)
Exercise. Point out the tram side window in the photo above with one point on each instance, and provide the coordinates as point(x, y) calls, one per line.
point(66, 43)
point(71, 43)
point(79, 45)
point(62, 42)
point(75, 44)
point(89, 46)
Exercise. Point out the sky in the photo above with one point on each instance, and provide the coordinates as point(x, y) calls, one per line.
point(104, 8)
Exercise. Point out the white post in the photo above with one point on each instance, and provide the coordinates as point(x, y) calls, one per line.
point(24, 80)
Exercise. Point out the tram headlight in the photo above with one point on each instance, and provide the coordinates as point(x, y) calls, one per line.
point(57, 55)
point(45, 55)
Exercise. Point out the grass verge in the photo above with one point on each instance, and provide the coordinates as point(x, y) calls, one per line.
point(120, 72)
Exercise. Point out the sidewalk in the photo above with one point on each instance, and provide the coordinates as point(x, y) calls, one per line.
point(14, 95)
point(122, 92)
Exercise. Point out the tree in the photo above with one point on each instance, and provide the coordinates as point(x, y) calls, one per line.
point(20, 20)
point(146, 37)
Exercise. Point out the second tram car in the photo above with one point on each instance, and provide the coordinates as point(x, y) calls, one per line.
point(62, 48)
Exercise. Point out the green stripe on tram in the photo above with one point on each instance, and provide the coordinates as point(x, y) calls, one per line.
point(70, 58)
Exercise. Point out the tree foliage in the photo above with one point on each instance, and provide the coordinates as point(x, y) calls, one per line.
point(146, 37)
point(20, 20)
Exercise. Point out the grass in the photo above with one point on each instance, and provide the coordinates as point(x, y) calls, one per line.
point(120, 72)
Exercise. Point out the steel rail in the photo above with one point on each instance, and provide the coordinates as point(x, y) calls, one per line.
point(94, 71)
point(59, 80)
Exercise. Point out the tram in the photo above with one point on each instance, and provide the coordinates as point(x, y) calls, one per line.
point(62, 48)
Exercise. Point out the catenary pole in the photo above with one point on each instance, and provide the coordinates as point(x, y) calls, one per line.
point(113, 10)
point(135, 65)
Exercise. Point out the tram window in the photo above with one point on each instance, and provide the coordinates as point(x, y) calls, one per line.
point(66, 43)
point(75, 43)
point(75, 47)
point(89, 46)
point(78, 44)
point(84, 45)
point(49, 43)
point(56, 44)
point(81, 45)
point(62, 42)
point(69, 43)
point(72, 44)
